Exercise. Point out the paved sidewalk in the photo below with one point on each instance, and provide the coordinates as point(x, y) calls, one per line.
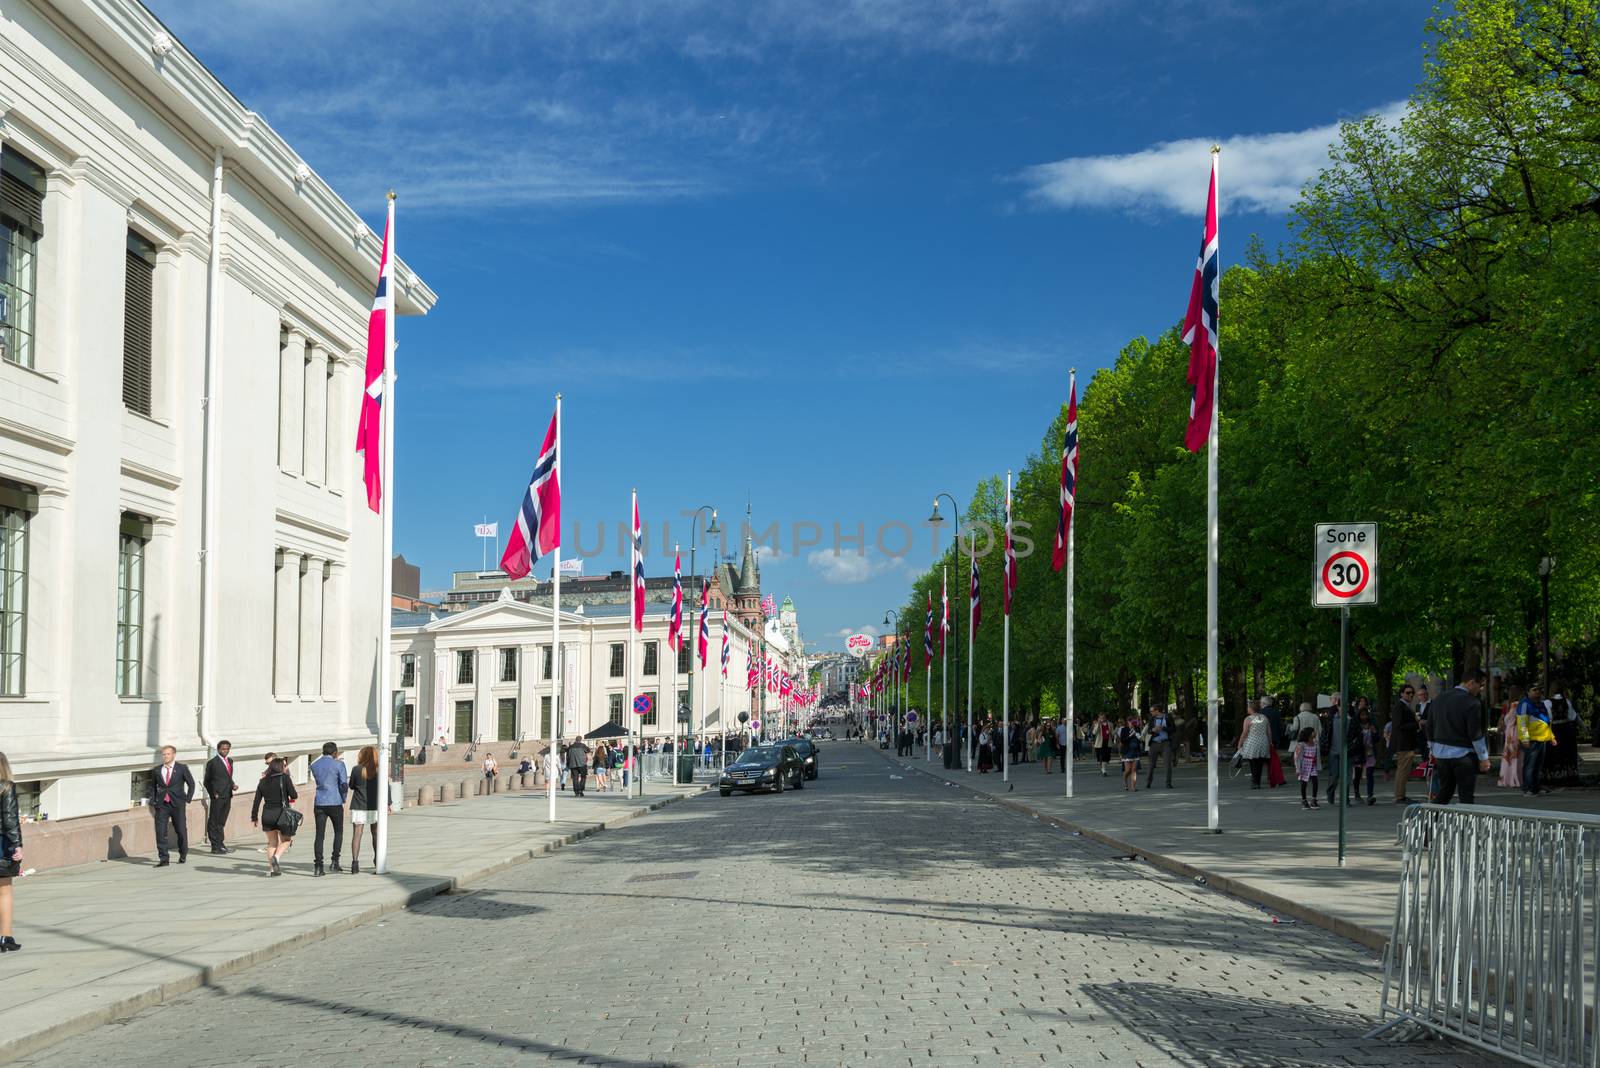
point(103, 941)
point(1271, 851)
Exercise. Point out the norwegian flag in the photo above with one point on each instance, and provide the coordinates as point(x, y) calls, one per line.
point(975, 597)
point(675, 627)
point(369, 431)
point(944, 610)
point(638, 570)
point(927, 636)
point(537, 530)
point(785, 685)
point(1200, 328)
point(1069, 479)
point(905, 665)
point(727, 650)
point(1011, 558)
point(752, 670)
point(705, 623)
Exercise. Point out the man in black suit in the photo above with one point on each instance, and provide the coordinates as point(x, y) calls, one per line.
point(220, 789)
point(171, 790)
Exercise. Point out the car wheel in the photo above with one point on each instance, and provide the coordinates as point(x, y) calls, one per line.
point(777, 785)
point(726, 793)
point(800, 780)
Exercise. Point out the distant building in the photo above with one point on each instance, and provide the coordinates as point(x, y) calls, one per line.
point(406, 587)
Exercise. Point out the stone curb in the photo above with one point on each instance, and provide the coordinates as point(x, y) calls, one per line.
point(1377, 941)
point(14, 1046)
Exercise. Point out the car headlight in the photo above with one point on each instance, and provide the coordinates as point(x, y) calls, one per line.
point(810, 759)
point(770, 773)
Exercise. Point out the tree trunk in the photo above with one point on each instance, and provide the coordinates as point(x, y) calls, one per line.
point(1259, 672)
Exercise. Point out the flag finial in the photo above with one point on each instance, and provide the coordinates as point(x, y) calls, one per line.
point(1216, 149)
point(391, 194)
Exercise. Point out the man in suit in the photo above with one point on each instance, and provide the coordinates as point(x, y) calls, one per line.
point(220, 788)
point(171, 790)
point(577, 758)
point(333, 786)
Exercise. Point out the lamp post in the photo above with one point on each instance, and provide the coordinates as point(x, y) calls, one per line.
point(937, 521)
point(1547, 564)
point(694, 541)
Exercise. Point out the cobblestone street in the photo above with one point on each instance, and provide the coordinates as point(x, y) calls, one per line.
point(877, 917)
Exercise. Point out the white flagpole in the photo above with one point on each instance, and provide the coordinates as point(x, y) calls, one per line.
point(385, 670)
point(673, 700)
point(636, 788)
point(1005, 656)
point(944, 653)
point(555, 635)
point(1213, 814)
point(927, 701)
point(971, 639)
point(1068, 703)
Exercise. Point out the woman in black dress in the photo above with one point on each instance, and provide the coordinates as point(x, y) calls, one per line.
point(10, 852)
point(364, 804)
point(273, 794)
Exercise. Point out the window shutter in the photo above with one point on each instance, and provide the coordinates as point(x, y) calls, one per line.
point(21, 202)
point(137, 325)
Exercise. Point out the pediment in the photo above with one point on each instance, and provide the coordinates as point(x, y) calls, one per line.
point(501, 615)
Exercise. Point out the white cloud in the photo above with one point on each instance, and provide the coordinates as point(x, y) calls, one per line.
point(766, 554)
point(870, 630)
point(1259, 172)
point(849, 569)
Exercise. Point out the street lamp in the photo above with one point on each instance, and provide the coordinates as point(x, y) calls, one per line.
point(937, 521)
point(1547, 564)
point(694, 575)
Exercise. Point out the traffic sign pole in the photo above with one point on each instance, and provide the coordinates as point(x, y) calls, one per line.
point(1344, 573)
point(1342, 730)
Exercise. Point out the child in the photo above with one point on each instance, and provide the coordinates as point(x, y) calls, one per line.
point(1304, 756)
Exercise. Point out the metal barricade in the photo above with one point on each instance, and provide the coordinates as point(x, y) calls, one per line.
point(1495, 931)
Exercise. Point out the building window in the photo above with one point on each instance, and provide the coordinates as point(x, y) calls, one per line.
point(464, 662)
point(410, 729)
point(544, 717)
point(131, 541)
point(649, 718)
point(508, 665)
point(507, 723)
point(21, 226)
point(683, 658)
point(138, 323)
point(408, 670)
point(16, 505)
point(614, 708)
point(650, 658)
point(616, 660)
point(463, 721)
point(546, 658)
point(683, 699)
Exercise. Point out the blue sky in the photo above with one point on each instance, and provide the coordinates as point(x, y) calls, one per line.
point(799, 250)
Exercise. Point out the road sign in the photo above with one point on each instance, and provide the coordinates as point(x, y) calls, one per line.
point(911, 717)
point(755, 725)
point(643, 704)
point(1346, 557)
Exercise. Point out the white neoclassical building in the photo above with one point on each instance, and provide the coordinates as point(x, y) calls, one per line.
point(485, 675)
point(184, 549)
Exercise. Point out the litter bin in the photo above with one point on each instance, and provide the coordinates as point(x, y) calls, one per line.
point(685, 769)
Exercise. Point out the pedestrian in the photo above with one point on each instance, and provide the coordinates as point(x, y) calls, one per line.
point(578, 765)
point(1363, 752)
point(1163, 742)
point(266, 764)
point(985, 749)
point(491, 771)
point(220, 788)
point(1103, 737)
point(1533, 731)
point(1128, 743)
point(333, 786)
point(1045, 749)
point(1403, 741)
point(1455, 723)
point(365, 796)
point(1255, 741)
point(602, 763)
point(272, 812)
point(1275, 720)
point(1307, 718)
point(1303, 755)
point(10, 853)
point(171, 790)
point(1511, 749)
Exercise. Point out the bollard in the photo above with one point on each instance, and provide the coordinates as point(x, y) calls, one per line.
point(425, 795)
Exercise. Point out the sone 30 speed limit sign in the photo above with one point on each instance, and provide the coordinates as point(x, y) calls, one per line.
point(1346, 564)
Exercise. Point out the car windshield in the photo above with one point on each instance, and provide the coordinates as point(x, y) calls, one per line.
point(763, 754)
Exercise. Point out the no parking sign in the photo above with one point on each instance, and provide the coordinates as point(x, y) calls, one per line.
point(1346, 565)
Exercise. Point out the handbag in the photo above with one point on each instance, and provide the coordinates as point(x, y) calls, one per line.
point(288, 818)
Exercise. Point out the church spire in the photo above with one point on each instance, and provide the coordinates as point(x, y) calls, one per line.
point(749, 577)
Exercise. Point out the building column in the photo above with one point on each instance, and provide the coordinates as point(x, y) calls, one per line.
point(311, 628)
point(339, 445)
point(292, 402)
point(333, 659)
point(286, 624)
point(316, 466)
point(484, 712)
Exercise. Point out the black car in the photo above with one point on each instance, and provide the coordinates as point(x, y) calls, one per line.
point(808, 754)
point(764, 767)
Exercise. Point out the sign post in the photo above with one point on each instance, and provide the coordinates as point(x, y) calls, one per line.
point(1345, 573)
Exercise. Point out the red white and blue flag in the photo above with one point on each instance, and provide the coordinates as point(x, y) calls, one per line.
point(905, 665)
point(675, 627)
point(944, 609)
point(537, 530)
point(727, 649)
point(369, 431)
point(1200, 328)
point(927, 636)
point(705, 620)
point(752, 669)
point(1069, 479)
point(638, 570)
point(974, 596)
point(1011, 558)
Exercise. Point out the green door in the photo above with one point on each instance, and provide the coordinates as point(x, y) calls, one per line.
point(508, 719)
point(463, 722)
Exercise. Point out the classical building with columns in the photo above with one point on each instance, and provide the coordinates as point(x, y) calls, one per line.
point(184, 546)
